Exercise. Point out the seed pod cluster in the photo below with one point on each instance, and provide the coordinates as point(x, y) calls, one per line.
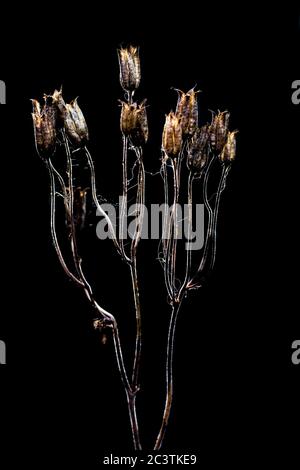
point(130, 68)
point(134, 123)
point(172, 135)
point(198, 149)
point(54, 116)
point(44, 125)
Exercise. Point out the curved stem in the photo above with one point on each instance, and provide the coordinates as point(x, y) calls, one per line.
point(222, 184)
point(133, 271)
point(175, 228)
point(110, 320)
point(98, 205)
point(74, 247)
point(188, 246)
point(210, 223)
point(124, 199)
point(166, 233)
point(53, 227)
point(169, 376)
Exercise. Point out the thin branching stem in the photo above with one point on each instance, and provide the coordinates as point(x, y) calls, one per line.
point(140, 204)
point(124, 200)
point(53, 227)
point(96, 202)
point(221, 187)
point(189, 232)
point(130, 393)
point(169, 375)
point(166, 232)
point(175, 227)
point(210, 223)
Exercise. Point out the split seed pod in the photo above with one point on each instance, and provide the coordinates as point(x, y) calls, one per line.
point(187, 110)
point(172, 135)
point(198, 149)
point(44, 124)
point(219, 130)
point(229, 151)
point(134, 123)
point(75, 124)
point(130, 68)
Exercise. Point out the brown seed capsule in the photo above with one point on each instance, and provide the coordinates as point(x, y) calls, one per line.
point(143, 128)
point(130, 68)
point(229, 150)
point(60, 104)
point(75, 124)
point(187, 110)
point(134, 123)
point(198, 149)
point(172, 135)
point(44, 124)
point(219, 130)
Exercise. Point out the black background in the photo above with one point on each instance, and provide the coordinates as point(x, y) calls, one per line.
point(236, 391)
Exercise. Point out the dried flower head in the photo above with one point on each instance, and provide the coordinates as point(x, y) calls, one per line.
point(198, 149)
point(172, 135)
point(229, 150)
point(134, 123)
point(219, 130)
point(187, 110)
point(44, 124)
point(59, 103)
point(130, 68)
point(75, 124)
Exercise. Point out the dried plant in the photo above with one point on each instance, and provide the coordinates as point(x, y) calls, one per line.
point(203, 149)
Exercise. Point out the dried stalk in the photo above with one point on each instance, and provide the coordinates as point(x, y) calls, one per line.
point(169, 376)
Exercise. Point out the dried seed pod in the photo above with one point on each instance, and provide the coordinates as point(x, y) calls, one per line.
point(187, 110)
point(134, 123)
point(128, 118)
point(229, 150)
point(219, 130)
point(130, 68)
point(44, 124)
point(143, 129)
point(172, 135)
point(75, 124)
point(198, 149)
point(59, 102)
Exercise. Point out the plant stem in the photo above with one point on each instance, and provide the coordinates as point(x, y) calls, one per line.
point(188, 246)
point(169, 375)
point(131, 398)
point(173, 254)
point(98, 205)
point(133, 271)
point(166, 234)
point(221, 187)
point(82, 282)
point(53, 227)
point(202, 264)
point(124, 199)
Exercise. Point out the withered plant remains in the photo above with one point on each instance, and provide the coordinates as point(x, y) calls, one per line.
point(202, 149)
